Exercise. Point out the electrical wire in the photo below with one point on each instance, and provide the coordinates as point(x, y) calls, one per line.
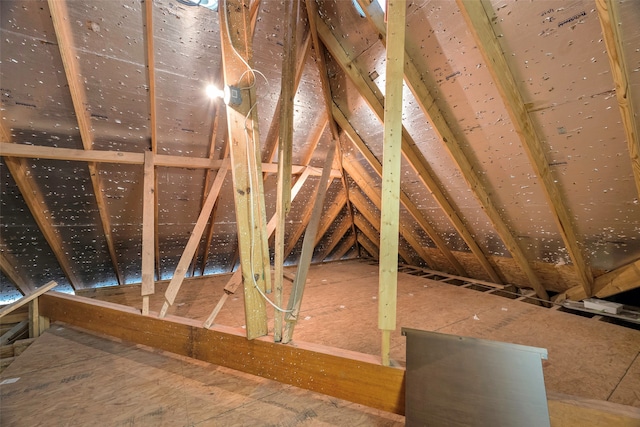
point(250, 165)
point(253, 222)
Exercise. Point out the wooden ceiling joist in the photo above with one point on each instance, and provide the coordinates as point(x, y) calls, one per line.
point(479, 23)
point(123, 157)
point(609, 18)
point(368, 90)
point(64, 36)
point(34, 200)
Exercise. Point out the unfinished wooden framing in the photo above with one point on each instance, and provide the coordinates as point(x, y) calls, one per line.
point(344, 374)
point(245, 165)
point(609, 18)
point(480, 26)
point(62, 26)
point(367, 229)
point(32, 195)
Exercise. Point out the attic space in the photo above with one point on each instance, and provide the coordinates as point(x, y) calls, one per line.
point(150, 147)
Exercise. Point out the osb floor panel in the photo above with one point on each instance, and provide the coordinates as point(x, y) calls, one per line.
point(587, 358)
point(72, 378)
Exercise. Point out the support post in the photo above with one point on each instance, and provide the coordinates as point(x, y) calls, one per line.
point(242, 119)
point(285, 148)
point(34, 319)
point(148, 240)
point(391, 174)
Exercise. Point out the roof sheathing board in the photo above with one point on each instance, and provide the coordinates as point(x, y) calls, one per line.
point(475, 113)
point(556, 52)
point(187, 59)
point(22, 238)
point(34, 93)
point(109, 47)
point(630, 31)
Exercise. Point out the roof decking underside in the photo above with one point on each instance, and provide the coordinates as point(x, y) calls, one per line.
point(563, 74)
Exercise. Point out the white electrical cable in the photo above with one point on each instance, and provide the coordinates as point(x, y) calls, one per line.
point(249, 161)
point(250, 166)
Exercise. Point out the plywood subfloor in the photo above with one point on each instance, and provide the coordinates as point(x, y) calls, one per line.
point(587, 358)
point(73, 378)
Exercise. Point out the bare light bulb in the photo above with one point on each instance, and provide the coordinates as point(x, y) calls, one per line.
point(213, 92)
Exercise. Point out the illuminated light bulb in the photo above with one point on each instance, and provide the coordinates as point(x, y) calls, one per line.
point(213, 92)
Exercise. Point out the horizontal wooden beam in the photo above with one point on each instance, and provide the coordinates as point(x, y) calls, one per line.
point(25, 299)
point(339, 373)
point(123, 157)
point(344, 374)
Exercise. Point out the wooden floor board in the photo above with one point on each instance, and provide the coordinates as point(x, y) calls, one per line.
point(95, 380)
point(591, 360)
point(586, 359)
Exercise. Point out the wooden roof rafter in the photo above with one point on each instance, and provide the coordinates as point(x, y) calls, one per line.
point(360, 203)
point(335, 237)
point(64, 36)
point(621, 279)
point(364, 238)
point(320, 53)
point(306, 216)
point(9, 268)
point(424, 99)
point(416, 159)
point(330, 215)
point(480, 26)
point(217, 115)
point(404, 198)
point(344, 247)
point(609, 17)
point(34, 200)
point(271, 142)
point(304, 222)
